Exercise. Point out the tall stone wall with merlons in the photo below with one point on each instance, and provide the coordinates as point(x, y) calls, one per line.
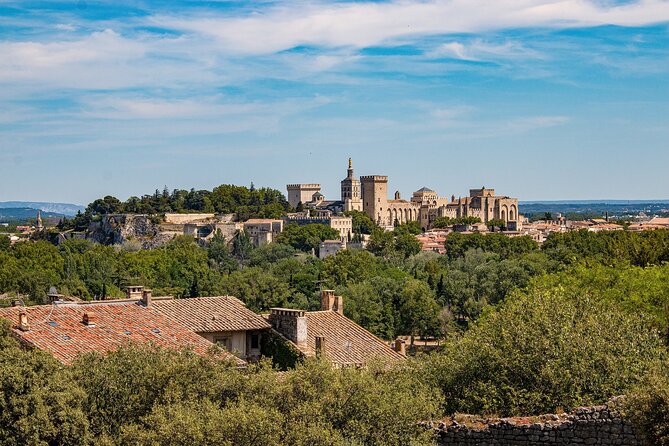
point(597, 425)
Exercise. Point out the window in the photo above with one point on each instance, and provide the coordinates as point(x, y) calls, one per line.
point(224, 342)
point(255, 341)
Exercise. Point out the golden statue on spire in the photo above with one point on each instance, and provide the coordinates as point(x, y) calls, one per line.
point(350, 163)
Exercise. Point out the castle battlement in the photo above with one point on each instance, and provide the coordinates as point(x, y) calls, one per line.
point(304, 186)
point(379, 178)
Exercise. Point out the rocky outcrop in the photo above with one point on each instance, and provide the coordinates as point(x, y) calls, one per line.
point(116, 229)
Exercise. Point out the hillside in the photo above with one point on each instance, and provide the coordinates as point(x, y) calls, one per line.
point(58, 209)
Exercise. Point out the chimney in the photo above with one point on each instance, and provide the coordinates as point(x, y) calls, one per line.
point(146, 298)
point(23, 321)
point(134, 292)
point(89, 319)
point(290, 323)
point(327, 300)
point(400, 347)
point(339, 304)
point(321, 349)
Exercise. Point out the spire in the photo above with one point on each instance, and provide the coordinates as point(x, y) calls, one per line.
point(350, 169)
point(40, 226)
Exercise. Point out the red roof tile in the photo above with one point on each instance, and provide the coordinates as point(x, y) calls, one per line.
point(347, 343)
point(59, 329)
point(211, 314)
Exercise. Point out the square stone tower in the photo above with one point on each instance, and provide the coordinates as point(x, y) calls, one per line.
point(375, 198)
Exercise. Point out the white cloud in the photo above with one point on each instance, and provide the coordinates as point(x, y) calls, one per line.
point(65, 27)
point(480, 50)
point(362, 25)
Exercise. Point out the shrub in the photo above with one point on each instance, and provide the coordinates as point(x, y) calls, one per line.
point(544, 350)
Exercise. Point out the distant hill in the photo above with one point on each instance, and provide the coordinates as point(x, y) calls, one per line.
point(60, 209)
point(584, 209)
point(24, 215)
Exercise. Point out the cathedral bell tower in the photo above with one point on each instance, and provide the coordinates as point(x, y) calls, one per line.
point(351, 193)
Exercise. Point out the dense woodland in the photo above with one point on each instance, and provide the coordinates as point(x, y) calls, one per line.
point(245, 202)
point(525, 329)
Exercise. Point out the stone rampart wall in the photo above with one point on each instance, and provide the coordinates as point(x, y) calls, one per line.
point(598, 425)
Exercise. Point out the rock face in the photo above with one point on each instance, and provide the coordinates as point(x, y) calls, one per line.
point(598, 425)
point(118, 228)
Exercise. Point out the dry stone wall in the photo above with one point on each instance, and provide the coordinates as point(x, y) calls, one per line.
point(598, 425)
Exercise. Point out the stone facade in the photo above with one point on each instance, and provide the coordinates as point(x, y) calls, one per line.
point(370, 195)
point(351, 190)
point(598, 425)
point(303, 193)
point(290, 323)
point(484, 204)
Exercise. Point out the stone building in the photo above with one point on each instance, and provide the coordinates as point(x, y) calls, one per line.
point(222, 320)
point(484, 204)
point(302, 193)
point(263, 231)
point(370, 195)
point(351, 191)
point(330, 334)
point(339, 223)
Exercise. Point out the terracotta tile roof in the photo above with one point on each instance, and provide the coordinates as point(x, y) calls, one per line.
point(211, 314)
point(59, 329)
point(347, 343)
point(659, 221)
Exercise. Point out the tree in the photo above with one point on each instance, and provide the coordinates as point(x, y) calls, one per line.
point(496, 223)
point(543, 350)
point(407, 245)
point(40, 403)
point(647, 405)
point(242, 245)
point(418, 310)
point(307, 237)
point(219, 252)
point(362, 224)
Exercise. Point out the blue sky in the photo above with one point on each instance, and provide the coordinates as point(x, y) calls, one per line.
point(541, 99)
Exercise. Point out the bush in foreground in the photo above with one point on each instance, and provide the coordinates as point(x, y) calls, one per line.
point(543, 351)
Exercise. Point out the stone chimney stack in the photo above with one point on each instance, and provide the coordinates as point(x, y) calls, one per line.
point(146, 298)
point(327, 300)
point(321, 349)
point(90, 319)
point(339, 304)
point(134, 292)
point(290, 323)
point(330, 302)
point(23, 321)
point(400, 347)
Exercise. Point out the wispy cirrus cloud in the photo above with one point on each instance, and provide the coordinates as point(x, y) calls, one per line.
point(362, 25)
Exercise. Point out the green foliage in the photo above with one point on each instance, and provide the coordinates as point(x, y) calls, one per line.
point(444, 222)
point(632, 288)
point(544, 350)
point(497, 223)
point(228, 199)
point(4, 242)
point(457, 244)
point(40, 403)
point(307, 237)
point(418, 310)
point(148, 396)
point(647, 405)
point(362, 224)
point(284, 355)
point(640, 248)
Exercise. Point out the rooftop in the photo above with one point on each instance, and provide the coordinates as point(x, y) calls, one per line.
point(60, 329)
point(211, 314)
point(347, 343)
